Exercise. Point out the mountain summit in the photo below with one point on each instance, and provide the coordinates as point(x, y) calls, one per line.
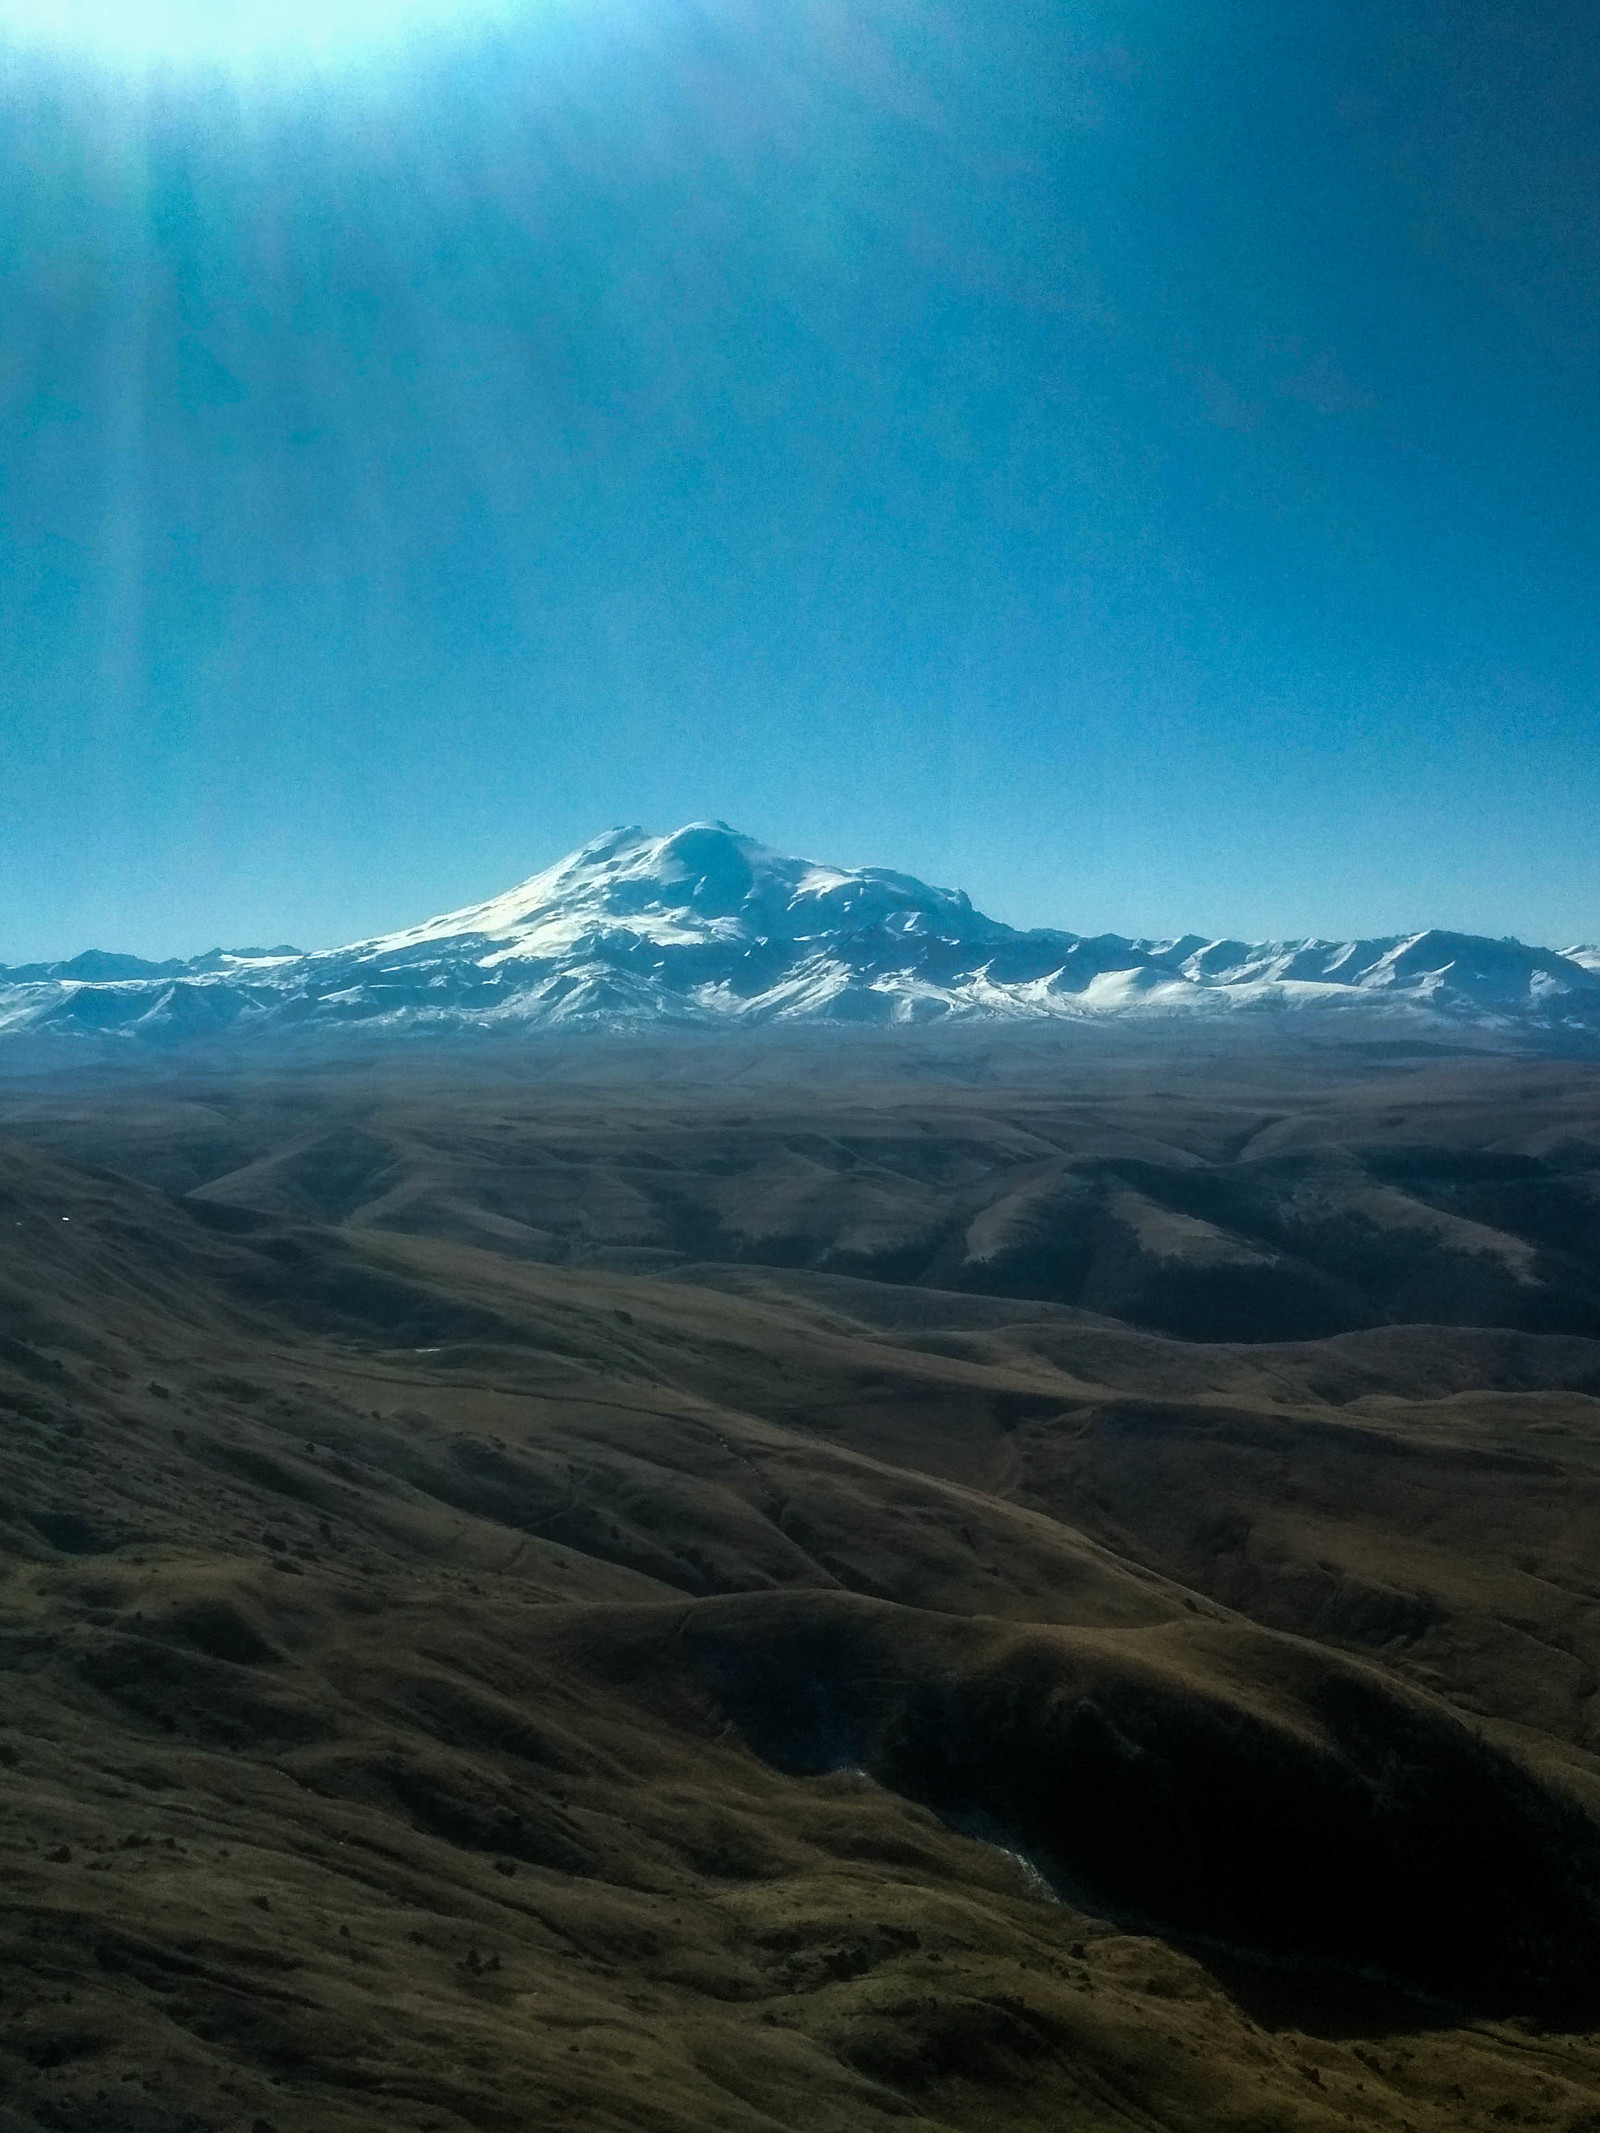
point(707, 927)
point(704, 881)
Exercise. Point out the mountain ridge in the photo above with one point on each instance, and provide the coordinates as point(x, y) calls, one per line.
point(706, 927)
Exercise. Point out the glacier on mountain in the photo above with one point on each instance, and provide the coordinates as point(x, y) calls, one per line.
point(709, 928)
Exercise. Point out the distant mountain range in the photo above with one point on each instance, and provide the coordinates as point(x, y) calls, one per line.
point(706, 928)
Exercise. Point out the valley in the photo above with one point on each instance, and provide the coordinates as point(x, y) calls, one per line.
point(850, 1580)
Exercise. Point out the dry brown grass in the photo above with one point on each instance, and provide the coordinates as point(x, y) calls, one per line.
point(504, 1626)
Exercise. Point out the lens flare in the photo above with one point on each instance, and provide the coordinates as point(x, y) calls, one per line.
point(231, 34)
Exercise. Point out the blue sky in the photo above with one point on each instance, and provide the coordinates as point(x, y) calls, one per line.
point(1136, 464)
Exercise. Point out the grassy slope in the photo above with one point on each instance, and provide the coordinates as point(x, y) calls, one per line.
point(475, 1692)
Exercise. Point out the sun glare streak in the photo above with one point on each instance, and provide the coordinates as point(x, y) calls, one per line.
point(139, 36)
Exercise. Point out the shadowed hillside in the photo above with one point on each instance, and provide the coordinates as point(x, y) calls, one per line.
point(599, 1601)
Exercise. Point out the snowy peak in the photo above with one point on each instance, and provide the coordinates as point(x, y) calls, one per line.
point(708, 927)
point(703, 882)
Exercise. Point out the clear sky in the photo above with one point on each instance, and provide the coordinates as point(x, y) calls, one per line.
point(1135, 462)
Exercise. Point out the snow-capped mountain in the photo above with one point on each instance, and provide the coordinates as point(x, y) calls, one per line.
point(706, 927)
